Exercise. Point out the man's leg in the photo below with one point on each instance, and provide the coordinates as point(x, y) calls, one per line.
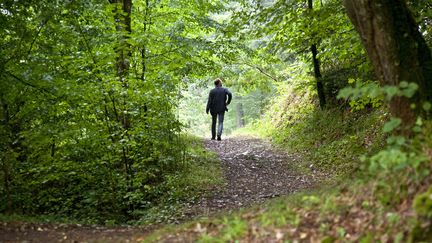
point(220, 127)
point(213, 127)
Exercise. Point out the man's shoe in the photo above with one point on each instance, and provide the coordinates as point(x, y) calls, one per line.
point(212, 138)
point(219, 138)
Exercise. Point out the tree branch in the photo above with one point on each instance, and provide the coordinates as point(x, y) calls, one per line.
point(42, 25)
point(261, 70)
point(41, 89)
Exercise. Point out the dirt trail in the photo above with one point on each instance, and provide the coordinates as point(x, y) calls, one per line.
point(45, 233)
point(253, 170)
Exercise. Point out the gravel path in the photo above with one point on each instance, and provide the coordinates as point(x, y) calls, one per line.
point(254, 171)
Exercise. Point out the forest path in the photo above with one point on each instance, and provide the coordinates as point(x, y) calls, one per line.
point(254, 171)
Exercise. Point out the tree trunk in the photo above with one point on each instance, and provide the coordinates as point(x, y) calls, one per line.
point(14, 151)
point(317, 72)
point(396, 49)
point(122, 17)
point(124, 53)
point(240, 115)
point(6, 168)
point(146, 26)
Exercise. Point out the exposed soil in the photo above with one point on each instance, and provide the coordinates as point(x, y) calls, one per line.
point(37, 232)
point(254, 171)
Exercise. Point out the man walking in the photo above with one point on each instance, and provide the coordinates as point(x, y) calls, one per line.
point(218, 100)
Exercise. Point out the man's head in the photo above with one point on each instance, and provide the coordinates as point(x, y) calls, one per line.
point(218, 82)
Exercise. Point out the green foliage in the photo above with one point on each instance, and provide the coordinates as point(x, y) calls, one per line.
point(423, 204)
point(400, 152)
point(286, 31)
point(423, 207)
point(365, 95)
point(84, 137)
point(233, 228)
point(396, 159)
point(422, 12)
point(403, 158)
point(371, 92)
point(390, 126)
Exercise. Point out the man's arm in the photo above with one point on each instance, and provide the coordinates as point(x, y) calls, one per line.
point(209, 101)
point(229, 96)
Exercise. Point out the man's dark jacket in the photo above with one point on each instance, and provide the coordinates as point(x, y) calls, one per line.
point(218, 99)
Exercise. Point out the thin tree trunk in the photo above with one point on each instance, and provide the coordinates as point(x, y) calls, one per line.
point(146, 27)
point(15, 151)
point(240, 115)
point(123, 63)
point(144, 48)
point(317, 72)
point(124, 53)
point(5, 165)
point(396, 49)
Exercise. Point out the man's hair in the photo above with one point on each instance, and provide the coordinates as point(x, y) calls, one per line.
point(217, 81)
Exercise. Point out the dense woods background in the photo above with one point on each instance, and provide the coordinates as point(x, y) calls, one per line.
point(98, 98)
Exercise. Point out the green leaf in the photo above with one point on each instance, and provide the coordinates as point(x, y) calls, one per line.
point(409, 90)
point(419, 121)
point(403, 84)
point(391, 125)
point(396, 140)
point(427, 106)
point(391, 91)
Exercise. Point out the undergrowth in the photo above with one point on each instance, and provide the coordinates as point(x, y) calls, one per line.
point(198, 170)
point(201, 172)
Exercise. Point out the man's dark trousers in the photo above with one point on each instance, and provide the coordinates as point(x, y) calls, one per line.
point(219, 116)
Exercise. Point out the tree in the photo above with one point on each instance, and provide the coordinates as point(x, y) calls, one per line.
point(396, 49)
point(316, 66)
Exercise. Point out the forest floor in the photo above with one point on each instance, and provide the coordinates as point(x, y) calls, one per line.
point(253, 170)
